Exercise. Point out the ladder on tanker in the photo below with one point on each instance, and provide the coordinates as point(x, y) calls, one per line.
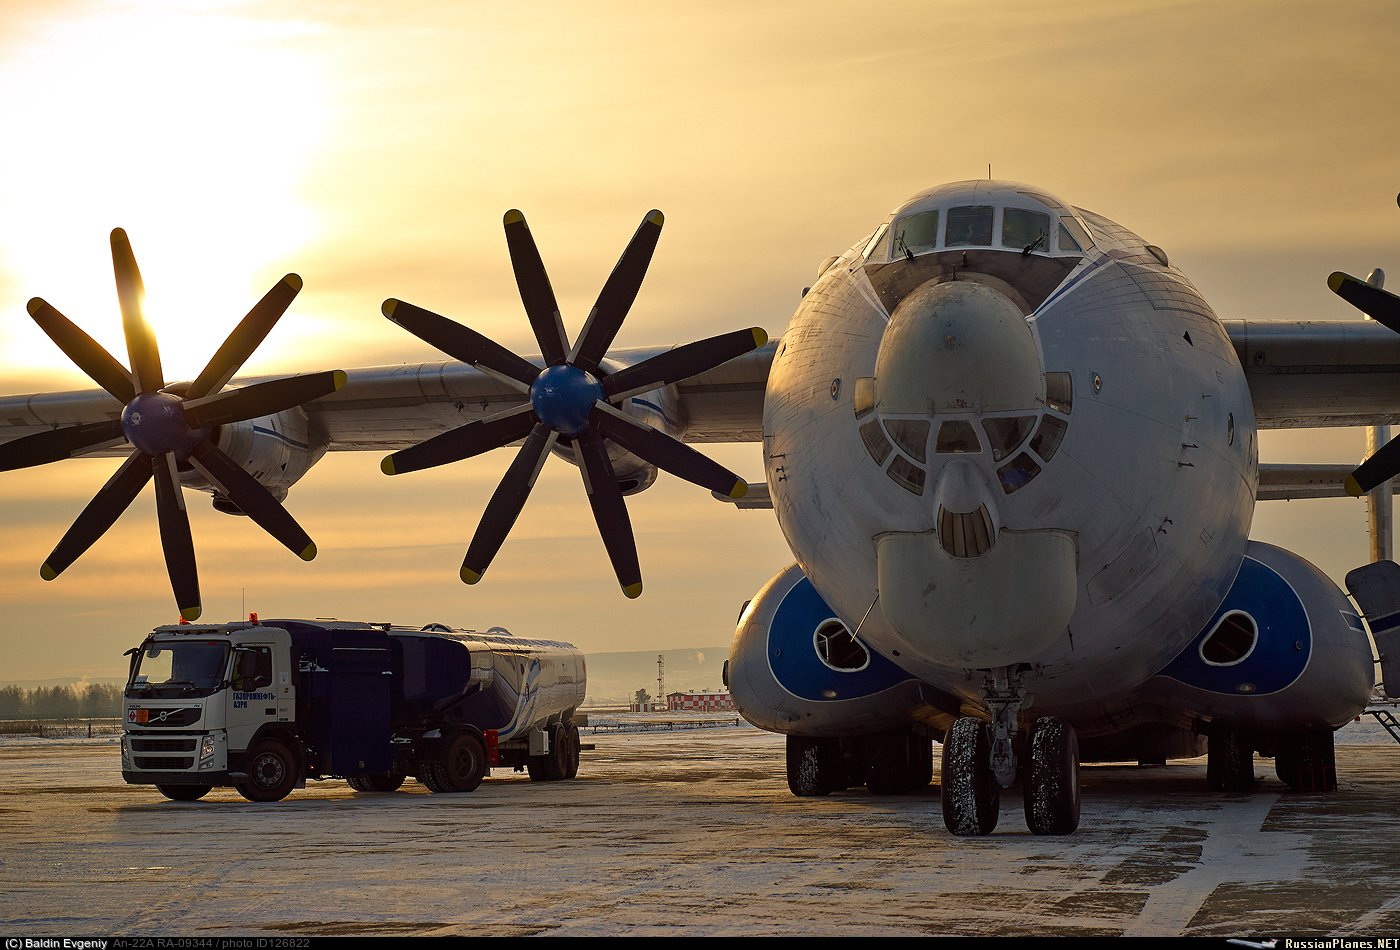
point(1386, 718)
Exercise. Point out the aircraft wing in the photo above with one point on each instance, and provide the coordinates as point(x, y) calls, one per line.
point(394, 407)
point(1308, 374)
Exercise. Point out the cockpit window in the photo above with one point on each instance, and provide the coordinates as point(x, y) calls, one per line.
point(957, 436)
point(1022, 229)
point(1006, 433)
point(916, 234)
point(877, 243)
point(968, 226)
point(1073, 238)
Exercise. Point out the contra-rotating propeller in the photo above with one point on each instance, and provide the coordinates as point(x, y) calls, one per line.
point(571, 399)
point(168, 426)
point(1381, 305)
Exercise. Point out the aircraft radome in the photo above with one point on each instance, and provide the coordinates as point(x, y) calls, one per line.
point(1012, 448)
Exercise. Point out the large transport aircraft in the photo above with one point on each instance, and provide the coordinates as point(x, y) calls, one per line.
point(1012, 448)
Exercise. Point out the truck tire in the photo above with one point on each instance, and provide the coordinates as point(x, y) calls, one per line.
point(272, 772)
point(461, 768)
point(574, 743)
point(381, 782)
point(554, 764)
point(184, 793)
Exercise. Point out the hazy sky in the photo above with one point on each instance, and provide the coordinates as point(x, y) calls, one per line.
point(373, 148)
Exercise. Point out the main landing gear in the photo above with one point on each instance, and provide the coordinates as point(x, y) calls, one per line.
point(979, 760)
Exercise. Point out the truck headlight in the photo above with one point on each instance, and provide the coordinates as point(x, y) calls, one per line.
point(206, 748)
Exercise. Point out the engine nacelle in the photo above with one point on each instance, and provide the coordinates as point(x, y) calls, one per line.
point(277, 450)
point(660, 409)
point(796, 668)
point(1285, 639)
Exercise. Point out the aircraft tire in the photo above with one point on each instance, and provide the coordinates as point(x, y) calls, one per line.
point(272, 772)
point(1229, 758)
point(970, 795)
point(898, 762)
point(1052, 778)
point(1306, 761)
point(184, 793)
point(812, 764)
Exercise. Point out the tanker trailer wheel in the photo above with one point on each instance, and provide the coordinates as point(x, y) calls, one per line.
point(574, 742)
point(272, 772)
point(462, 767)
point(184, 793)
point(554, 764)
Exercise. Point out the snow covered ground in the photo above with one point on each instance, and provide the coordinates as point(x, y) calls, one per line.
point(691, 832)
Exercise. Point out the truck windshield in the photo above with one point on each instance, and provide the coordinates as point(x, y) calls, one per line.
point(181, 666)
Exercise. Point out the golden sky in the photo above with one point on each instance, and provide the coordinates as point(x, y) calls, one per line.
point(372, 149)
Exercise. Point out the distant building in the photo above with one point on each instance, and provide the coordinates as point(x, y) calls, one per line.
point(649, 706)
point(700, 702)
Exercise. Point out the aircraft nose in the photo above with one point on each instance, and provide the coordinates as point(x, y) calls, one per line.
point(957, 347)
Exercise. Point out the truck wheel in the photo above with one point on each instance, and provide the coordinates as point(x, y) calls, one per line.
point(554, 764)
point(462, 767)
point(184, 793)
point(272, 772)
point(383, 782)
point(574, 743)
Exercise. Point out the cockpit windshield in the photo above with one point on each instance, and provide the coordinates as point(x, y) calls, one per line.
point(970, 226)
point(180, 666)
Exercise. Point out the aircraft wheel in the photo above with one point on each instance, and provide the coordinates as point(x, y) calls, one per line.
point(1229, 758)
point(1306, 761)
point(898, 762)
point(971, 796)
point(812, 765)
point(1052, 778)
point(184, 793)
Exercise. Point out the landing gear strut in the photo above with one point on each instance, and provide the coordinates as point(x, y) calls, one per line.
point(979, 759)
point(1229, 758)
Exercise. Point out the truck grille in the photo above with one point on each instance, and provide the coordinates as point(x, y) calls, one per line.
point(165, 762)
point(163, 745)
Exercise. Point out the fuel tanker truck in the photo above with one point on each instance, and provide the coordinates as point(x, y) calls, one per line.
point(265, 706)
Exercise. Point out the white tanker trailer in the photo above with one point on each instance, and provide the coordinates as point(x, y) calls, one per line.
point(265, 706)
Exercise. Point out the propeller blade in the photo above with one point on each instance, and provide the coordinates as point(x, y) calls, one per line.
point(84, 351)
point(462, 343)
point(100, 514)
point(252, 498)
point(140, 341)
point(175, 537)
point(245, 338)
point(56, 444)
point(1380, 305)
point(617, 295)
point(261, 399)
point(609, 511)
point(661, 450)
point(682, 363)
point(535, 291)
point(1380, 467)
point(509, 497)
point(463, 442)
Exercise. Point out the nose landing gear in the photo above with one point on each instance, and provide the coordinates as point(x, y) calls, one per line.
point(979, 759)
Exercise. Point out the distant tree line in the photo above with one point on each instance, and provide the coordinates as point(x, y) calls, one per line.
point(82, 701)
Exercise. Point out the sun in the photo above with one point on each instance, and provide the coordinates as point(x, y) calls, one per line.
point(191, 126)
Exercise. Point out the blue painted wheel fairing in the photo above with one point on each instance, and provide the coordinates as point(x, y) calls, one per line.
point(1284, 642)
point(792, 654)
